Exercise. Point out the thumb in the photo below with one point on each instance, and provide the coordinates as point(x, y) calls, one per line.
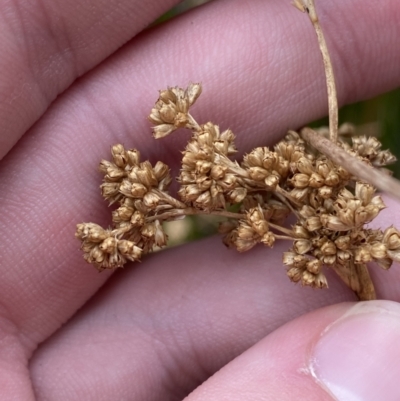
point(345, 352)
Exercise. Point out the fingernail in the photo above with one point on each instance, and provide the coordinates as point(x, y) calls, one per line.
point(357, 357)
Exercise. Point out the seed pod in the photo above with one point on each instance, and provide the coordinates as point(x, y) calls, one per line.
point(332, 179)
point(391, 238)
point(300, 180)
point(320, 281)
point(333, 223)
point(218, 172)
point(119, 155)
point(300, 232)
point(378, 251)
point(313, 223)
point(272, 181)
point(192, 92)
point(325, 192)
point(314, 266)
point(268, 239)
point(344, 257)
point(295, 274)
point(302, 246)
point(307, 278)
point(316, 181)
point(305, 166)
point(108, 245)
point(362, 255)
point(138, 190)
point(343, 242)
point(237, 195)
point(129, 250)
point(364, 192)
point(133, 156)
point(328, 248)
point(258, 173)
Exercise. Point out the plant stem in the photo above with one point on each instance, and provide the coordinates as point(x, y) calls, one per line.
point(354, 166)
point(309, 7)
point(282, 229)
point(190, 211)
point(283, 237)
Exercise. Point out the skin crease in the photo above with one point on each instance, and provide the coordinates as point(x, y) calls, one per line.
point(158, 330)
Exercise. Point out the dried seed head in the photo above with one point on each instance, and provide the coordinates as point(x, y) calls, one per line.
point(302, 246)
point(313, 223)
point(237, 195)
point(133, 156)
point(268, 239)
point(137, 190)
point(325, 192)
point(378, 251)
point(316, 180)
point(193, 91)
point(305, 166)
point(364, 192)
point(295, 260)
point(332, 179)
point(108, 245)
point(320, 281)
point(328, 248)
point(123, 213)
point(391, 238)
point(91, 232)
point(332, 207)
point(307, 278)
point(137, 219)
point(300, 180)
point(314, 266)
point(119, 155)
point(110, 191)
point(160, 237)
point(333, 223)
point(343, 257)
point(295, 274)
point(300, 232)
point(272, 181)
point(394, 255)
point(343, 242)
point(299, 195)
point(362, 255)
point(130, 250)
point(151, 200)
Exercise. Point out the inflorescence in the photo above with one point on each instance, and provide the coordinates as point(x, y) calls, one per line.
point(332, 207)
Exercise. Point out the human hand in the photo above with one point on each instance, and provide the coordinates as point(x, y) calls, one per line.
point(158, 329)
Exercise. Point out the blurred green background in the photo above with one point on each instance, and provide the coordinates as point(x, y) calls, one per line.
point(379, 116)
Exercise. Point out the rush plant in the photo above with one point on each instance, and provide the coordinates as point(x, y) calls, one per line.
point(327, 182)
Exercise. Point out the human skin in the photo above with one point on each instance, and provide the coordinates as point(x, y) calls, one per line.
point(159, 329)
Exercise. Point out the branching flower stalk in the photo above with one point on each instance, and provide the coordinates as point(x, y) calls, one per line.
point(332, 198)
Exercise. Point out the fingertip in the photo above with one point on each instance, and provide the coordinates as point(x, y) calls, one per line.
point(345, 352)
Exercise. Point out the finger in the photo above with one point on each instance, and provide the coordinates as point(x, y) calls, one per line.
point(53, 182)
point(175, 320)
point(343, 352)
point(46, 45)
point(170, 323)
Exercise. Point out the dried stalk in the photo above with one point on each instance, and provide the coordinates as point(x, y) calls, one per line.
point(308, 6)
point(366, 173)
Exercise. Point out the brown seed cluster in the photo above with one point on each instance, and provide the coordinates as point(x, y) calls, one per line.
point(141, 193)
point(331, 207)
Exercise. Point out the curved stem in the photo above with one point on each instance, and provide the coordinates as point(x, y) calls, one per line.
point(359, 169)
point(309, 7)
point(190, 211)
